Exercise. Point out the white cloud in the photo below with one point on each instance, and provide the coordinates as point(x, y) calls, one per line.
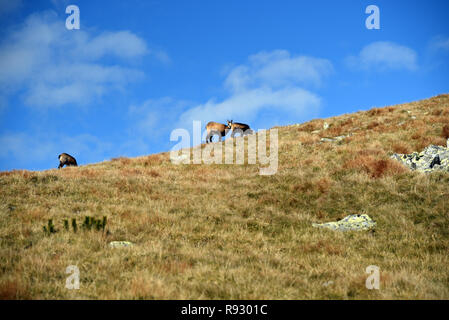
point(271, 83)
point(45, 95)
point(292, 102)
point(51, 66)
point(277, 69)
point(382, 56)
point(77, 83)
point(123, 44)
point(439, 43)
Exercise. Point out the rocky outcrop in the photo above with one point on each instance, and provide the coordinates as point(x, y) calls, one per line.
point(354, 222)
point(432, 158)
point(335, 139)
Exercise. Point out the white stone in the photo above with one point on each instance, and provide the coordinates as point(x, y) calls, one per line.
point(120, 244)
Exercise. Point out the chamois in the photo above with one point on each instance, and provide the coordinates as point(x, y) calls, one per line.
point(66, 159)
point(236, 127)
point(216, 128)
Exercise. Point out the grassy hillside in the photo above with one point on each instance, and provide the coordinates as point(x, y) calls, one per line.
point(225, 232)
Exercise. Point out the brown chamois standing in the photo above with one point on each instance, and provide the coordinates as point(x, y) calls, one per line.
point(241, 128)
point(66, 159)
point(214, 128)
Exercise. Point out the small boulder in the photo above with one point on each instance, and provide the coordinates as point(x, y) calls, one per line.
point(120, 244)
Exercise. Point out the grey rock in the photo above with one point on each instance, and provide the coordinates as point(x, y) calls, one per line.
point(335, 139)
point(432, 158)
point(120, 244)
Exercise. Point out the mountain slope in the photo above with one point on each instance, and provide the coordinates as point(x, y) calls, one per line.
point(226, 232)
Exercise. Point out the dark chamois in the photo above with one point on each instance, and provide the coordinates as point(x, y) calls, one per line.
point(66, 159)
point(241, 128)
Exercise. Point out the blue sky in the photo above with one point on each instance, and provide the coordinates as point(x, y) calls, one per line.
point(136, 70)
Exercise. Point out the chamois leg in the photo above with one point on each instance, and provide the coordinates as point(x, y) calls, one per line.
point(213, 133)
point(221, 135)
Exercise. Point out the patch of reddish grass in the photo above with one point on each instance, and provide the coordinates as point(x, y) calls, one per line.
point(372, 125)
point(308, 139)
point(439, 119)
point(370, 152)
point(424, 142)
point(322, 246)
point(376, 111)
point(12, 290)
point(321, 185)
point(154, 174)
point(155, 159)
point(374, 167)
point(130, 172)
point(306, 127)
point(416, 136)
point(347, 122)
point(36, 213)
point(401, 147)
point(332, 132)
point(445, 132)
point(122, 160)
point(311, 125)
point(268, 199)
point(306, 186)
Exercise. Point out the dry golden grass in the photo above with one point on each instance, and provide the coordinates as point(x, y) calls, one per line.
point(225, 232)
